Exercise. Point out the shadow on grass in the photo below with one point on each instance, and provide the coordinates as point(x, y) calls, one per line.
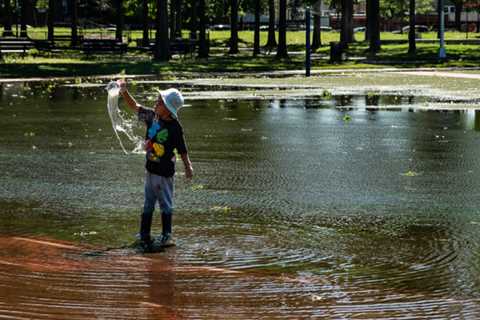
point(102, 66)
point(75, 65)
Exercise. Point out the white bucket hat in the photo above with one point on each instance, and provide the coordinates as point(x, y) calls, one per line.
point(173, 100)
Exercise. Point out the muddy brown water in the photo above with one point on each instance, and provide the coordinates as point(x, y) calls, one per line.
point(318, 208)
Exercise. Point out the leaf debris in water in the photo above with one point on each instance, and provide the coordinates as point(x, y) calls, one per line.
point(197, 187)
point(83, 234)
point(224, 209)
point(410, 174)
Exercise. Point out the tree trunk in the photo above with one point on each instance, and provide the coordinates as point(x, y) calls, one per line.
point(171, 20)
point(162, 45)
point(23, 18)
point(256, 36)
point(411, 33)
point(349, 22)
point(194, 20)
point(458, 14)
point(178, 18)
point(203, 42)
point(120, 21)
point(373, 25)
point(317, 25)
point(271, 42)
point(346, 35)
point(51, 19)
point(7, 32)
point(74, 25)
point(282, 51)
point(233, 27)
point(368, 25)
point(146, 21)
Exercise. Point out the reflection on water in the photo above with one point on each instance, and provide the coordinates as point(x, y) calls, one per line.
point(324, 207)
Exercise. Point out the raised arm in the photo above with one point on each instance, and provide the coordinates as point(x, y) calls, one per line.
point(131, 103)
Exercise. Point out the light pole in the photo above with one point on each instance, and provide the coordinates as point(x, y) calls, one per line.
point(442, 52)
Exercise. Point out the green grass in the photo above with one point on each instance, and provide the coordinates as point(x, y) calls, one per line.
point(70, 62)
point(293, 37)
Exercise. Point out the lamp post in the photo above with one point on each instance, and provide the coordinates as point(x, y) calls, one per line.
point(442, 53)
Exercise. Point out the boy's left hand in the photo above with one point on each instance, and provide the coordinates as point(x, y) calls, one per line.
point(188, 172)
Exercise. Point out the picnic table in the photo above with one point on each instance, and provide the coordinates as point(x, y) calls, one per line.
point(90, 46)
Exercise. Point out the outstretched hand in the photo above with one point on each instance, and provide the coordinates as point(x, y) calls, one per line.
point(123, 85)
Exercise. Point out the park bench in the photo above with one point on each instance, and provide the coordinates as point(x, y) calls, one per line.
point(90, 46)
point(183, 46)
point(66, 38)
point(16, 45)
point(177, 46)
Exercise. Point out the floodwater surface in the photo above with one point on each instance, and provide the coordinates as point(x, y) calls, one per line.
point(329, 207)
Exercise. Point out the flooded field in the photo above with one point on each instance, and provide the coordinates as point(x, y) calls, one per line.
point(347, 204)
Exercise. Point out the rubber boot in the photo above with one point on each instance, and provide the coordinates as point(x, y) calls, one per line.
point(166, 223)
point(167, 239)
point(145, 226)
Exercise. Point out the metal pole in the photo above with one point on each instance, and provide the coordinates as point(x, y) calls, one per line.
point(307, 41)
point(442, 53)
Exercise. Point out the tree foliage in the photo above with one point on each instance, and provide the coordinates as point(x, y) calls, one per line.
point(399, 8)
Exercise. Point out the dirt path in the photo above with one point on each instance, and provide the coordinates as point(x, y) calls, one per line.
point(442, 74)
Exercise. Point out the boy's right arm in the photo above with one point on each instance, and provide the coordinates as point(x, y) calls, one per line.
point(131, 103)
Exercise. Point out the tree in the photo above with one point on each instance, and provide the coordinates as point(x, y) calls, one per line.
point(256, 37)
point(23, 18)
point(8, 19)
point(171, 19)
point(145, 24)
point(175, 19)
point(317, 25)
point(397, 9)
point(233, 27)
point(178, 18)
point(373, 25)
point(282, 51)
point(458, 13)
point(202, 39)
point(346, 33)
point(193, 20)
point(74, 24)
point(411, 33)
point(50, 21)
point(120, 21)
point(162, 45)
point(271, 42)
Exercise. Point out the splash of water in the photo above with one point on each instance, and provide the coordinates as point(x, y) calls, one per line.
point(121, 125)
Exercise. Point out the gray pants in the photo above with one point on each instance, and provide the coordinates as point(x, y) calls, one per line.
point(157, 189)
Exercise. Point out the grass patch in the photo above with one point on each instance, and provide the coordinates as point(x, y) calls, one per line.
point(74, 63)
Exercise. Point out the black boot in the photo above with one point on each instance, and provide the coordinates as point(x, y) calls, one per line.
point(145, 226)
point(166, 223)
point(167, 239)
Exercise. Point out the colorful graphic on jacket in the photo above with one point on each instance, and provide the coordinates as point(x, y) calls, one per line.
point(154, 143)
